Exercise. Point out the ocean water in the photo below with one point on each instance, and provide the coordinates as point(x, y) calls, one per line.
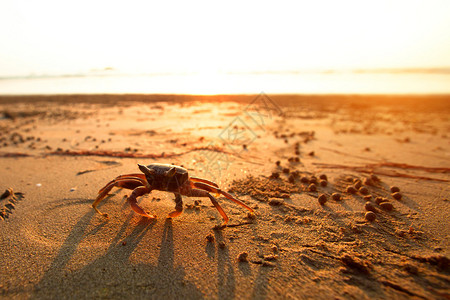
point(233, 83)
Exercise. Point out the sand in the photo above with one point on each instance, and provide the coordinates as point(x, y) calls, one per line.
point(56, 152)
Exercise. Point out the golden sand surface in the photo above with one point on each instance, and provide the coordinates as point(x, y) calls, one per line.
point(351, 197)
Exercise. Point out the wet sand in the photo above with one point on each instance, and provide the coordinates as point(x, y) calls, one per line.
point(386, 235)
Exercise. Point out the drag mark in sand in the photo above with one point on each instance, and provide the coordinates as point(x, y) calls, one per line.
point(120, 154)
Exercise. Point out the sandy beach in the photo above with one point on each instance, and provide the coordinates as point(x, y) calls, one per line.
point(351, 197)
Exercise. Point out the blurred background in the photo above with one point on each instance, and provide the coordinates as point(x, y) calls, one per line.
point(205, 47)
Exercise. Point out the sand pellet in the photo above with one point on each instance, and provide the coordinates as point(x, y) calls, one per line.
point(336, 196)
point(304, 179)
point(322, 199)
point(369, 206)
point(379, 199)
point(323, 176)
point(395, 189)
point(397, 196)
point(370, 216)
point(386, 206)
point(312, 187)
point(350, 189)
point(363, 190)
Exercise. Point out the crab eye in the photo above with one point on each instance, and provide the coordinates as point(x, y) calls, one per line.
point(146, 170)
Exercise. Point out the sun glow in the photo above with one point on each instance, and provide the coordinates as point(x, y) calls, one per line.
point(212, 39)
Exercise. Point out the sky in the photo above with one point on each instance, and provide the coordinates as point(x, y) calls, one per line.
point(69, 37)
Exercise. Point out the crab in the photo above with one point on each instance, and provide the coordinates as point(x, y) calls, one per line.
point(169, 178)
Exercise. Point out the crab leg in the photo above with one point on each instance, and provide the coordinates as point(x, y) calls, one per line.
point(130, 183)
point(140, 177)
point(139, 191)
point(202, 193)
point(178, 206)
point(196, 179)
point(212, 189)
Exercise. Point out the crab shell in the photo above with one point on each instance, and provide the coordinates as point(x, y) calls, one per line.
point(165, 177)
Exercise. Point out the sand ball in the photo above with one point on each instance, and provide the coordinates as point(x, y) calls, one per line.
point(397, 196)
point(350, 189)
point(312, 187)
point(363, 190)
point(370, 216)
point(336, 196)
point(395, 189)
point(369, 206)
point(386, 206)
point(322, 199)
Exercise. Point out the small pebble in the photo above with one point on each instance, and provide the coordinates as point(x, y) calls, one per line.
point(312, 187)
point(369, 206)
point(323, 176)
point(363, 190)
point(323, 182)
point(370, 216)
point(358, 184)
point(311, 153)
point(286, 170)
point(336, 196)
point(397, 196)
point(313, 179)
point(350, 189)
point(124, 243)
point(278, 163)
point(386, 206)
point(243, 257)
point(304, 179)
point(322, 199)
point(395, 189)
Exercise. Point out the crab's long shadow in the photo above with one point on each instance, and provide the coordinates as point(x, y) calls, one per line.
point(113, 275)
point(225, 271)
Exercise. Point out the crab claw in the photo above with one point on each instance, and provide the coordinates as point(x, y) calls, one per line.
point(146, 170)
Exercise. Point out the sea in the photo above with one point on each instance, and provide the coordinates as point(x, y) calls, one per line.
point(421, 81)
